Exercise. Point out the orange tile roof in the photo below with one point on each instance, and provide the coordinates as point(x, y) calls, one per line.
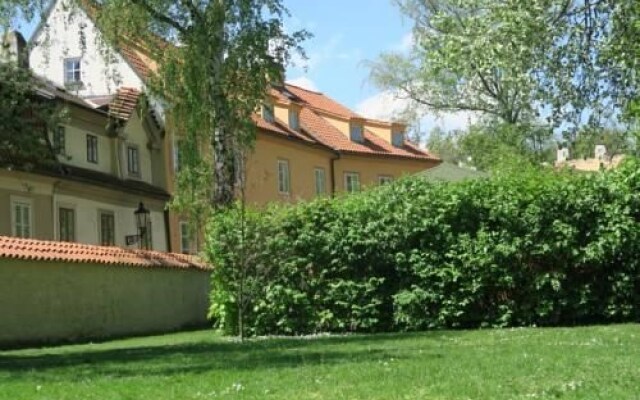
point(43, 250)
point(321, 102)
point(280, 128)
point(124, 102)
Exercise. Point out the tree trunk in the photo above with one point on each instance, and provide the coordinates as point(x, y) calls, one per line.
point(221, 137)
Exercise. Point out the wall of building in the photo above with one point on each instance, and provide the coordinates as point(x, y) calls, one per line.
point(47, 195)
point(371, 168)
point(44, 302)
point(262, 169)
point(136, 135)
point(62, 39)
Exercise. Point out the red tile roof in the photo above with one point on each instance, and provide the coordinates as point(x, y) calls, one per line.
point(43, 250)
point(321, 102)
point(124, 102)
point(330, 136)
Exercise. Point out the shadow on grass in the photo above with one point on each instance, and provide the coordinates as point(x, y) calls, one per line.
point(217, 354)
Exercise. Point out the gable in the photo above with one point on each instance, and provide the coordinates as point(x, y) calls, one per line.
point(68, 32)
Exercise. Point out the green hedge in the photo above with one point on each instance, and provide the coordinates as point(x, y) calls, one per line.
point(528, 248)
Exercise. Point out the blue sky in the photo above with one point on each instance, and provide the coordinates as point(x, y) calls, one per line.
point(346, 33)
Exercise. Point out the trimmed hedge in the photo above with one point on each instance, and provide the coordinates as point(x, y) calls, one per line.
point(528, 248)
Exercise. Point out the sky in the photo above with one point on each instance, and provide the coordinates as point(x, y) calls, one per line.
point(347, 34)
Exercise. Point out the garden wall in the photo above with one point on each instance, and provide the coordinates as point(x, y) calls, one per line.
point(59, 301)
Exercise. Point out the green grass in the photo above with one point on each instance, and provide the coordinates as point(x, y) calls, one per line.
point(571, 363)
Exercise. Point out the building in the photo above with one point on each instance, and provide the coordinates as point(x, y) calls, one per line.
point(109, 160)
point(601, 160)
point(307, 144)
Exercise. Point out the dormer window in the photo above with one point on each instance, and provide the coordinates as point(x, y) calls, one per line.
point(356, 133)
point(268, 113)
point(294, 120)
point(397, 138)
point(72, 72)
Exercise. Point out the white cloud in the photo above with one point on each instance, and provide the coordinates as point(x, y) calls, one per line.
point(304, 83)
point(387, 106)
point(405, 44)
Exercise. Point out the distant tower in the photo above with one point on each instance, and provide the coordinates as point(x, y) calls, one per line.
point(562, 155)
point(600, 151)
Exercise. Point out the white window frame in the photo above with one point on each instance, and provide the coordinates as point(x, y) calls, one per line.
point(385, 179)
point(268, 112)
point(138, 173)
point(23, 201)
point(75, 70)
point(397, 138)
point(320, 174)
point(352, 175)
point(284, 177)
point(115, 236)
point(71, 207)
point(89, 138)
point(60, 132)
point(294, 120)
point(359, 138)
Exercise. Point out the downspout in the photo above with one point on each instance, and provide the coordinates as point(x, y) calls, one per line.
point(167, 230)
point(53, 210)
point(333, 173)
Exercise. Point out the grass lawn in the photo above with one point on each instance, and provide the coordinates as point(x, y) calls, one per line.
point(572, 363)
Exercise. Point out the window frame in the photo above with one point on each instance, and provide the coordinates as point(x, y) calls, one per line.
point(75, 70)
point(101, 237)
point(268, 116)
point(92, 150)
point(74, 224)
point(281, 182)
point(351, 174)
point(294, 115)
point(59, 140)
point(137, 173)
point(385, 179)
point(356, 138)
point(184, 228)
point(316, 174)
point(23, 201)
point(394, 138)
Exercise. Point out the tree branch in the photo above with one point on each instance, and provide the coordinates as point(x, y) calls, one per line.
point(159, 16)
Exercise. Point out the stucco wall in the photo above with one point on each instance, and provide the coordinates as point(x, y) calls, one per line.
point(43, 302)
point(62, 40)
point(262, 170)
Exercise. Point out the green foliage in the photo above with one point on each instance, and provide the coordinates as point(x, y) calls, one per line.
point(532, 247)
point(25, 119)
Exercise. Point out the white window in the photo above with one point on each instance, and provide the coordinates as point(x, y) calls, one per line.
point(356, 133)
point(107, 228)
point(133, 160)
point(351, 182)
point(268, 113)
point(185, 238)
point(92, 149)
point(397, 138)
point(284, 184)
point(66, 224)
point(294, 120)
point(321, 185)
point(21, 218)
point(59, 142)
point(72, 71)
point(384, 179)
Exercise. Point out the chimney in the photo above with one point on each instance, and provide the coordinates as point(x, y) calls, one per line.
point(14, 49)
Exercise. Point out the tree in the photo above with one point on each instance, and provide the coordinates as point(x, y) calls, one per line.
point(25, 116)
point(516, 60)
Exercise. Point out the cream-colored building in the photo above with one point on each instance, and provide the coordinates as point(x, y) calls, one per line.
point(307, 144)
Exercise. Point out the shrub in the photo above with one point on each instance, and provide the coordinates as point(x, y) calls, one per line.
point(526, 248)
